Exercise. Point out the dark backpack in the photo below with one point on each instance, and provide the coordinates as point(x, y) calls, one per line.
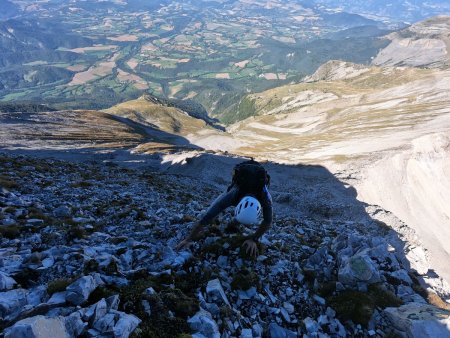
point(250, 177)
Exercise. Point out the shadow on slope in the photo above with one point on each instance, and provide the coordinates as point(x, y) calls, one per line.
point(312, 192)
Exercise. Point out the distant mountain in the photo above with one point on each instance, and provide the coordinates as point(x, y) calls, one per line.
point(401, 10)
point(8, 9)
point(425, 44)
point(24, 41)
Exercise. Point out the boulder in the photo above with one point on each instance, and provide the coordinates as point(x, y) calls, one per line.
point(276, 331)
point(418, 260)
point(113, 302)
point(6, 282)
point(215, 292)
point(105, 324)
point(417, 320)
point(358, 268)
point(58, 298)
point(78, 292)
point(12, 302)
point(96, 311)
point(38, 327)
point(75, 325)
point(125, 324)
point(203, 323)
point(62, 211)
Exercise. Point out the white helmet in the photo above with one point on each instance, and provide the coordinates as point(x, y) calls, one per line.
point(248, 211)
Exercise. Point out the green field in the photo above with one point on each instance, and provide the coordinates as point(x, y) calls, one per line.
point(168, 48)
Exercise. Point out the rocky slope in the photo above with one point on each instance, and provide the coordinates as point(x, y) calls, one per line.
point(87, 250)
point(425, 44)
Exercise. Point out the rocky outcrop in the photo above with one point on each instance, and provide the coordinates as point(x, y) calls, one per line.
point(420, 320)
point(336, 70)
point(425, 44)
point(38, 327)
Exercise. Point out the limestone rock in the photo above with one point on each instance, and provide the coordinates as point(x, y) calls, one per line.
point(62, 211)
point(125, 324)
point(75, 325)
point(203, 323)
point(417, 257)
point(6, 282)
point(276, 331)
point(78, 292)
point(418, 320)
point(215, 291)
point(359, 268)
point(38, 327)
point(11, 302)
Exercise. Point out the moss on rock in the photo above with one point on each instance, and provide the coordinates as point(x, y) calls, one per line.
point(244, 280)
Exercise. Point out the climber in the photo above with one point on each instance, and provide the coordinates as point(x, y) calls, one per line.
point(249, 193)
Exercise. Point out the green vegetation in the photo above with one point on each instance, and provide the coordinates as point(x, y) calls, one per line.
point(59, 285)
point(10, 232)
point(158, 322)
point(79, 61)
point(245, 279)
point(359, 306)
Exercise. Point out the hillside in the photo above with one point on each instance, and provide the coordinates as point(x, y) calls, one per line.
point(91, 55)
point(96, 256)
point(363, 110)
point(425, 44)
point(152, 112)
point(399, 10)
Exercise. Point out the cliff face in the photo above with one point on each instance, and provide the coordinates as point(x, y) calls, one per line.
point(425, 44)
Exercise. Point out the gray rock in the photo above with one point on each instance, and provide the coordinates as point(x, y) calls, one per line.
point(277, 331)
point(257, 330)
point(359, 268)
point(311, 325)
point(285, 315)
point(246, 333)
point(6, 282)
point(113, 302)
point(402, 275)
point(215, 292)
point(147, 307)
point(38, 327)
point(125, 324)
point(420, 320)
point(58, 298)
point(417, 257)
point(113, 280)
point(75, 325)
point(337, 328)
point(12, 303)
point(78, 292)
point(82, 220)
point(222, 261)
point(330, 313)
point(62, 211)
point(8, 222)
point(96, 311)
point(248, 294)
point(35, 221)
point(289, 307)
point(105, 324)
point(150, 291)
point(48, 262)
point(319, 300)
point(203, 323)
